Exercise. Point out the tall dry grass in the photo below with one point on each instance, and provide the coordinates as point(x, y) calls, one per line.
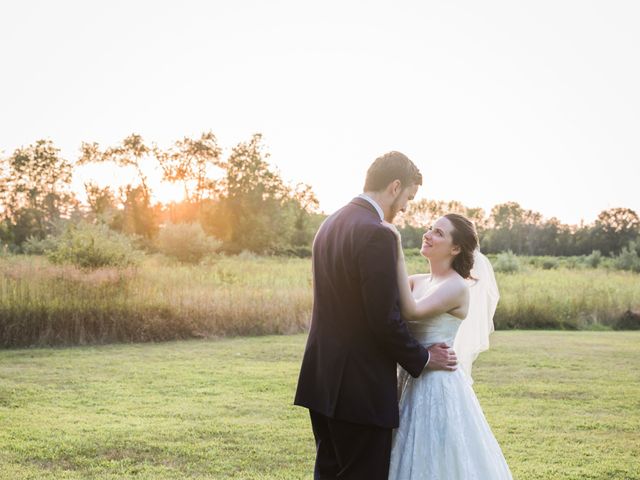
point(43, 304)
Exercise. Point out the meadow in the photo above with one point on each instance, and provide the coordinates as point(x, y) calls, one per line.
point(46, 304)
point(563, 405)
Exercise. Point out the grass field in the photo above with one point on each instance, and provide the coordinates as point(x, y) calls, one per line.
point(44, 304)
point(563, 405)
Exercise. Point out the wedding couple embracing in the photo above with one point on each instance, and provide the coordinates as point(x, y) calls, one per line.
point(386, 369)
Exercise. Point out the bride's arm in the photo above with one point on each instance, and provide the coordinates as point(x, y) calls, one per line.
point(447, 297)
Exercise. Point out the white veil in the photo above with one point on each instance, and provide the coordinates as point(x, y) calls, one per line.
point(473, 334)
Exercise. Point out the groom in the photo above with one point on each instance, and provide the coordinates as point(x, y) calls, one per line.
point(348, 374)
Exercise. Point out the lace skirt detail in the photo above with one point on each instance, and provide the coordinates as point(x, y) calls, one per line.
point(443, 433)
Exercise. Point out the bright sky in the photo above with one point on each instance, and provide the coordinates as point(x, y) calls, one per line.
point(534, 102)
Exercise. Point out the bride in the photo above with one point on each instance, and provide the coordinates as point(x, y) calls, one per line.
point(443, 433)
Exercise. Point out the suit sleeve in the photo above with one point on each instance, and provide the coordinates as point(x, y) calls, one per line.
point(377, 267)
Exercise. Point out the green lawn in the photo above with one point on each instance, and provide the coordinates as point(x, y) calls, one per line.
point(564, 405)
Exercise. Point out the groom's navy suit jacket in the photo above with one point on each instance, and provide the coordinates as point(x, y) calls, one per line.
point(357, 335)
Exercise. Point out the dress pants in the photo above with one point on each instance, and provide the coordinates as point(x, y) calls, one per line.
point(350, 451)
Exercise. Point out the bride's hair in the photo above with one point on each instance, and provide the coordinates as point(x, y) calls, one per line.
point(464, 235)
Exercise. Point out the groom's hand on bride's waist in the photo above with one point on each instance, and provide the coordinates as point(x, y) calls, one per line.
point(442, 357)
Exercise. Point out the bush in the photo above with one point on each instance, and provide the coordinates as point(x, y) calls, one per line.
point(186, 242)
point(628, 321)
point(506, 262)
point(37, 246)
point(594, 259)
point(91, 246)
point(572, 263)
point(628, 258)
point(550, 263)
point(299, 251)
point(5, 251)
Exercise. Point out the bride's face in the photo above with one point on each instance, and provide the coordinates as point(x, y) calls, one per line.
point(437, 242)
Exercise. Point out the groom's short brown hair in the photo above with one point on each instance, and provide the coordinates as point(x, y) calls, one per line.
point(389, 167)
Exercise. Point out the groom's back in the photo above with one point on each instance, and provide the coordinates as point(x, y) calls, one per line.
point(343, 363)
point(337, 284)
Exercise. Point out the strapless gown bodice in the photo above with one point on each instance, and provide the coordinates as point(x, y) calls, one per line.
point(440, 329)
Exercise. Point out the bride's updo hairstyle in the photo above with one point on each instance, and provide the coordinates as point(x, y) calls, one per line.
point(465, 236)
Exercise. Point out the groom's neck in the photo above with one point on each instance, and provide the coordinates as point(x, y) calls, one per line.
point(381, 200)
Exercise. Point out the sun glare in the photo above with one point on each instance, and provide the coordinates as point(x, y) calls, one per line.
point(166, 193)
point(108, 175)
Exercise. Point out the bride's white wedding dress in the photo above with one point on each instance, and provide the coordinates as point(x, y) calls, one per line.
point(443, 434)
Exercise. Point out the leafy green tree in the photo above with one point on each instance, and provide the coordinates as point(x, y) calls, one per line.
point(189, 162)
point(138, 216)
point(253, 209)
point(513, 228)
point(253, 201)
point(130, 153)
point(305, 205)
point(34, 191)
point(102, 202)
point(615, 228)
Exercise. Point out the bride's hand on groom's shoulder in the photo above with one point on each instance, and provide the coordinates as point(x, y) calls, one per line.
point(392, 227)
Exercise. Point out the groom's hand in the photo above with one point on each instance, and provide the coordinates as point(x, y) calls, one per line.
point(441, 357)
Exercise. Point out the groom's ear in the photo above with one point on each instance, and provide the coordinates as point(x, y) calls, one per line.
point(395, 187)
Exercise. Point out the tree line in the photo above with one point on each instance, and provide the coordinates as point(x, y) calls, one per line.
point(238, 199)
point(244, 203)
point(510, 227)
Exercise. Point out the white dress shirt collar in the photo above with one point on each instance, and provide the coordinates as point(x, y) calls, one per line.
point(374, 203)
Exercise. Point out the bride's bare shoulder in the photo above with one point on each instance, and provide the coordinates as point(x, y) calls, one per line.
point(458, 284)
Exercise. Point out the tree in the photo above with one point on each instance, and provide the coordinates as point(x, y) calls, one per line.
point(129, 153)
point(615, 228)
point(255, 209)
point(138, 216)
point(189, 162)
point(35, 190)
point(305, 205)
point(252, 200)
point(512, 228)
point(101, 200)
point(506, 216)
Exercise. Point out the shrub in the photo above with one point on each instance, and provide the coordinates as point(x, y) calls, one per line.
point(186, 242)
point(506, 262)
point(594, 259)
point(91, 246)
point(5, 251)
point(572, 263)
point(628, 259)
point(628, 321)
point(37, 246)
point(299, 251)
point(550, 263)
